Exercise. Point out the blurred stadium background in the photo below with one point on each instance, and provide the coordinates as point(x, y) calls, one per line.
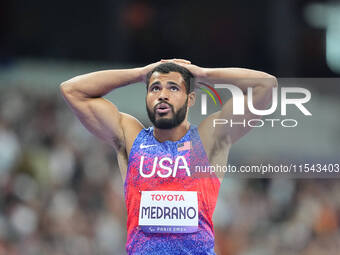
point(60, 189)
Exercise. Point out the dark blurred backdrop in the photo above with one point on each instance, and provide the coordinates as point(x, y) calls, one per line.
point(276, 36)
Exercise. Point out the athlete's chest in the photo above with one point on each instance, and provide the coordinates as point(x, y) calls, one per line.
point(166, 163)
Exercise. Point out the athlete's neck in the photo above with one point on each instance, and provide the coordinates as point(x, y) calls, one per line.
point(173, 134)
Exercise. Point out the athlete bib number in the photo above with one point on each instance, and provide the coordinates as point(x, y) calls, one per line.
point(168, 212)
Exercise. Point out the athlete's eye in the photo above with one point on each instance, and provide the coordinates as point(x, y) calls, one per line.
point(155, 88)
point(174, 88)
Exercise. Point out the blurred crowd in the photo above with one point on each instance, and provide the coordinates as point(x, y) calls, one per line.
point(61, 193)
point(278, 216)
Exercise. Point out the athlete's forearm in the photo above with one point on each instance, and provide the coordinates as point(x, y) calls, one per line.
point(240, 77)
point(98, 84)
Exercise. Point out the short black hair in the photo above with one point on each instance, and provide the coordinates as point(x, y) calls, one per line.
point(172, 67)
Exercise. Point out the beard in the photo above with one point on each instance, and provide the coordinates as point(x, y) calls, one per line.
point(168, 123)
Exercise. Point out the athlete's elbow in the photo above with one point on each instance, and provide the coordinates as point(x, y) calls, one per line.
point(68, 88)
point(273, 81)
point(270, 81)
point(266, 84)
point(65, 89)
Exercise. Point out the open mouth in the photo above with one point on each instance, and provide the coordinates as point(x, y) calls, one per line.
point(163, 108)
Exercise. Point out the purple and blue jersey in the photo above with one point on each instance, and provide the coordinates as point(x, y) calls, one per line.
point(169, 204)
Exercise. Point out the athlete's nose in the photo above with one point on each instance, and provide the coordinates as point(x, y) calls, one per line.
point(163, 96)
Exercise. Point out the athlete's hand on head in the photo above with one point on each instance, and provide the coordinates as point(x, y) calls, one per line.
point(177, 60)
point(197, 72)
point(146, 69)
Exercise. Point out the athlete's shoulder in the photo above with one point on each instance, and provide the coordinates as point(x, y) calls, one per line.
point(194, 131)
point(149, 129)
point(146, 131)
point(193, 127)
point(144, 134)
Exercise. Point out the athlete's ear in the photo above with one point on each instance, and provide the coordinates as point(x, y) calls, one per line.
point(191, 98)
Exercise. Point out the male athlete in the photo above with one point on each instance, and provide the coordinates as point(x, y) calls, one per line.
point(169, 205)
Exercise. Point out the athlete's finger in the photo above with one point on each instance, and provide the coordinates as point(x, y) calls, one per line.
point(182, 60)
point(176, 60)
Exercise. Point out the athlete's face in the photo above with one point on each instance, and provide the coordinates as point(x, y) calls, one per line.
point(166, 100)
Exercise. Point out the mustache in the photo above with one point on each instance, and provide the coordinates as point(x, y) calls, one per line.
point(163, 102)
